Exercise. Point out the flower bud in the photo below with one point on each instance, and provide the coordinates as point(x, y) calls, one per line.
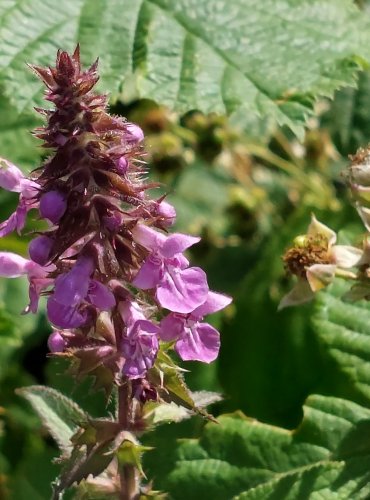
point(168, 212)
point(122, 165)
point(52, 206)
point(39, 249)
point(56, 342)
point(135, 134)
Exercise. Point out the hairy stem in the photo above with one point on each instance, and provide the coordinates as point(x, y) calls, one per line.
point(129, 483)
point(129, 475)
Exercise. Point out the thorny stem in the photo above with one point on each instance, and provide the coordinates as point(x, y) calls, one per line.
point(128, 473)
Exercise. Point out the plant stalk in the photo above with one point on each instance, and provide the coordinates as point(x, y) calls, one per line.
point(129, 475)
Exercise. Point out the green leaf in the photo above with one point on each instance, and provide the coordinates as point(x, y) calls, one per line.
point(156, 413)
point(327, 457)
point(236, 56)
point(166, 374)
point(348, 117)
point(343, 331)
point(59, 414)
point(16, 141)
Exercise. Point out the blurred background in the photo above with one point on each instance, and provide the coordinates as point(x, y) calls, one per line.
point(248, 189)
point(247, 198)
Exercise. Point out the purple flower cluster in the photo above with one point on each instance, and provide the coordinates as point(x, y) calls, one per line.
point(118, 286)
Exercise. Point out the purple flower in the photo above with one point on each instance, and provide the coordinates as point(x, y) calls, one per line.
point(12, 179)
point(65, 316)
point(53, 204)
point(195, 341)
point(39, 249)
point(140, 343)
point(178, 287)
point(14, 266)
point(72, 290)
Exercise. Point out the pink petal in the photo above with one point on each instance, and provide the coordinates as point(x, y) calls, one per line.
point(12, 265)
point(64, 316)
point(172, 327)
point(37, 285)
point(182, 290)
point(215, 302)
point(71, 288)
point(130, 312)
point(202, 343)
point(150, 273)
point(10, 176)
point(177, 243)
point(29, 189)
point(100, 296)
point(148, 237)
point(15, 222)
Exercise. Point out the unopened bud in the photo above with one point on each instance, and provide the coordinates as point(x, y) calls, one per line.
point(39, 249)
point(52, 206)
point(168, 212)
point(122, 165)
point(56, 342)
point(135, 134)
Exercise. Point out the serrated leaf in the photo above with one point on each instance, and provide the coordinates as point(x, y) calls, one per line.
point(59, 414)
point(242, 56)
point(165, 373)
point(348, 117)
point(156, 413)
point(81, 465)
point(343, 330)
point(241, 458)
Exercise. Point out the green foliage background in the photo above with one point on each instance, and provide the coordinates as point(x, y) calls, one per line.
point(246, 182)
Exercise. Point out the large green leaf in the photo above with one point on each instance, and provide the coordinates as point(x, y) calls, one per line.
point(348, 117)
point(244, 56)
point(16, 141)
point(327, 457)
point(343, 331)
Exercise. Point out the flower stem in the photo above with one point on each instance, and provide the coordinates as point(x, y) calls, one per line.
point(124, 406)
point(129, 475)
